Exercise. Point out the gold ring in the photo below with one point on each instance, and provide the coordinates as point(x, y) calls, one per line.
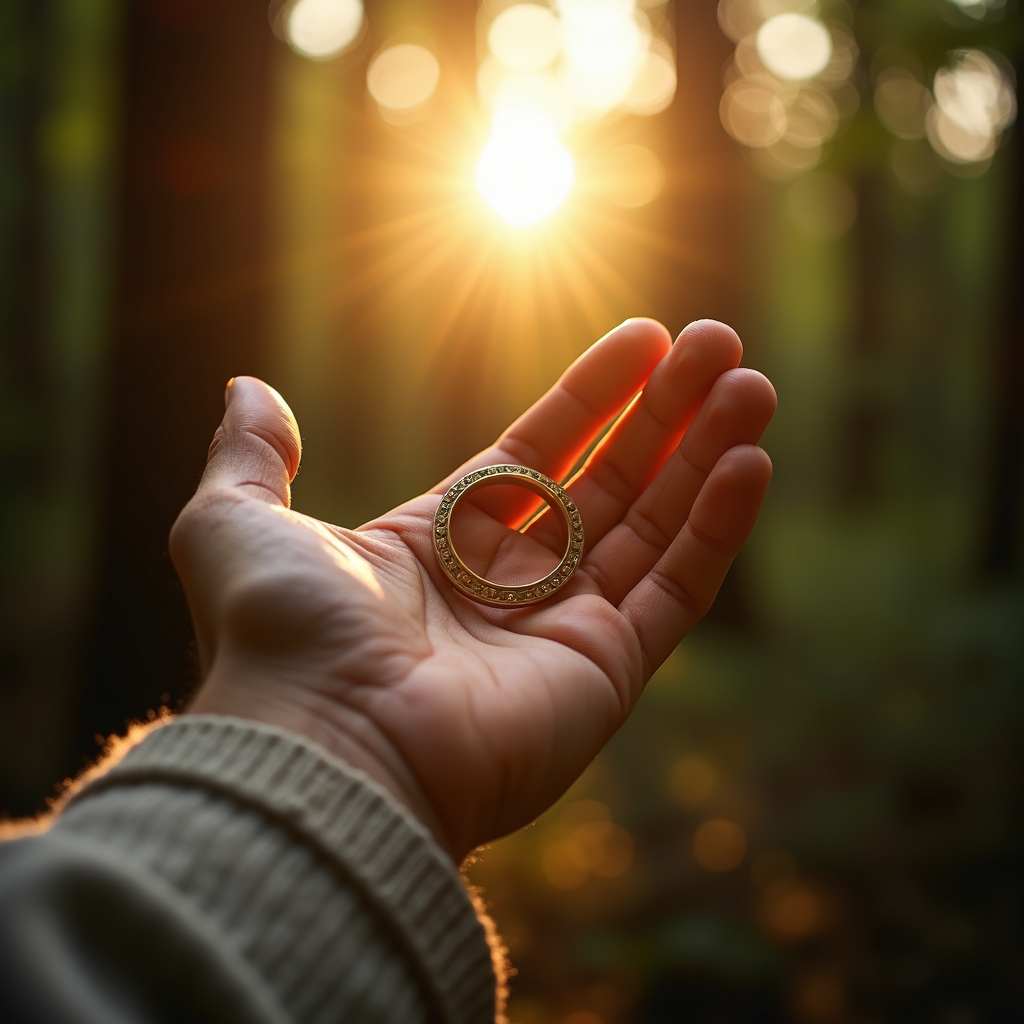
point(476, 587)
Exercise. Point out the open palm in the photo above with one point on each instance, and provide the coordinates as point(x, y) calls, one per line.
point(478, 718)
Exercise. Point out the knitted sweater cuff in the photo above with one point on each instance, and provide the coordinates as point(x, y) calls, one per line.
point(343, 817)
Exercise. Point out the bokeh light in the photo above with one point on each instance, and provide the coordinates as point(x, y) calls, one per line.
point(794, 46)
point(791, 911)
point(788, 86)
point(402, 78)
point(654, 84)
point(719, 845)
point(576, 60)
point(321, 29)
point(974, 103)
point(524, 173)
point(819, 996)
point(902, 103)
point(586, 844)
point(753, 112)
point(525, 37)
point(603, 35)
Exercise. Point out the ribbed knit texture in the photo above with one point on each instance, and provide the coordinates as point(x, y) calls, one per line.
point(335, 894)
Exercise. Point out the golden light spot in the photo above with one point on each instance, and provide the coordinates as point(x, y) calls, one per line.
point(595, 845)
point(630, 176)
point(791, 911)
point(562, 865)
point(524, 173)
point(402, 78)
point(525, 37)
point(719, 845)
point(323, 28)
point(692, 781)
point(794, 46)
point(819, 997)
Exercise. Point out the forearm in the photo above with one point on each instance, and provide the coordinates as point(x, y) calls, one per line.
point(236, 872)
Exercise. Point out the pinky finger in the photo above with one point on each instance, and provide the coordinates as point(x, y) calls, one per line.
point(669, 601)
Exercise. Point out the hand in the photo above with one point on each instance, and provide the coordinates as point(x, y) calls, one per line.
point(478, 718)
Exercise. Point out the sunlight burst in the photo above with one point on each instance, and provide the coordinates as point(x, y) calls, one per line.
point(524, 173)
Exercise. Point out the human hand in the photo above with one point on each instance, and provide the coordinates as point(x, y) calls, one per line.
point(478, 718)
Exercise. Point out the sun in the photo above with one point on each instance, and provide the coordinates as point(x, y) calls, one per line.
point(524, 173)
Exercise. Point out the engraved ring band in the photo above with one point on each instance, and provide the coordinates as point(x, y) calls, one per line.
point(480, 589)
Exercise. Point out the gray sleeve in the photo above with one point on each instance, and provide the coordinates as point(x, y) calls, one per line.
point(225, 871)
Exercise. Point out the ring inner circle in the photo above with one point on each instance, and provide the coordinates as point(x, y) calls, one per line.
point(487, 591)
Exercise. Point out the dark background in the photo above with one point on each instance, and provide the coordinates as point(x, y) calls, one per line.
point(183, 199)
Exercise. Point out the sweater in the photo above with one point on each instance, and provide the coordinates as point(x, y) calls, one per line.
point(223, 870)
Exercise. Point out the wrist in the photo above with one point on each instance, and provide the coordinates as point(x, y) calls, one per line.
point(343, 732)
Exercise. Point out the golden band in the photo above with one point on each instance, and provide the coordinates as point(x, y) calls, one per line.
point(485, 591)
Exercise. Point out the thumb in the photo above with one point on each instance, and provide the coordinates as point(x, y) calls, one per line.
point(257, 445)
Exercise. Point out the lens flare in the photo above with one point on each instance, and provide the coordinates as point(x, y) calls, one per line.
point(524, 172)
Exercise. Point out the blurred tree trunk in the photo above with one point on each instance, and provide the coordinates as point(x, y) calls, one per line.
point(191, 277)
point(57, 104)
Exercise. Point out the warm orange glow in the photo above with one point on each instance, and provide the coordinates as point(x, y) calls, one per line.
point(630, 176)
point(593, 846)
point(791, 911)
point(719, 845)
point(819, 997)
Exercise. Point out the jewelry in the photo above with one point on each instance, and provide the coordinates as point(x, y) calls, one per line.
point(476, 587)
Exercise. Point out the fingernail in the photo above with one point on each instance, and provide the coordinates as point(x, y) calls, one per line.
point(227, 392)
